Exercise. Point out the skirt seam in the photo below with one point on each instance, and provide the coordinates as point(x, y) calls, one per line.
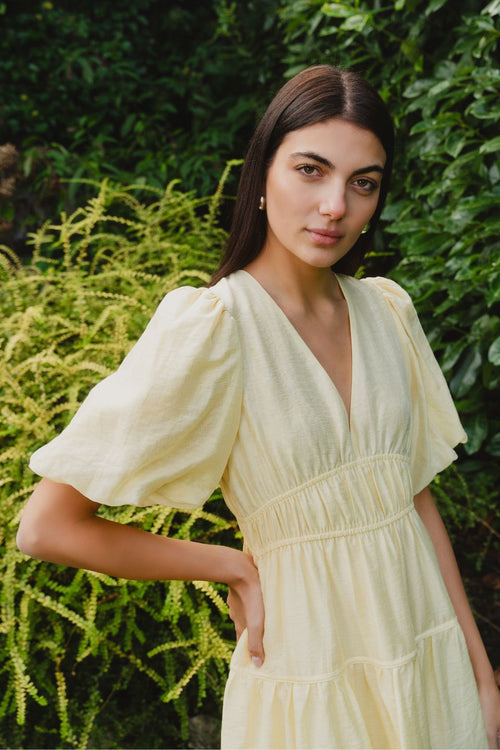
point(254, 672)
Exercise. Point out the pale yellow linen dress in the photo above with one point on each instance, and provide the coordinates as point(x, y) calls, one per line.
point(363, 649)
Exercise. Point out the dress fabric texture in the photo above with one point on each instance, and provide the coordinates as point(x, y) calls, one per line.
point(363, 649)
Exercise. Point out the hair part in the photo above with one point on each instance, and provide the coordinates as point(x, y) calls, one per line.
point(317, 94)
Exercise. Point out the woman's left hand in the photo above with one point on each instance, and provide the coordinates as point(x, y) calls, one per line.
point(490, 703)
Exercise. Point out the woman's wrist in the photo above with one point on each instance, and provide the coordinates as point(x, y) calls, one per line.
point(220, 563)
point(241, 570)
point(483, 671)
point(487, 682)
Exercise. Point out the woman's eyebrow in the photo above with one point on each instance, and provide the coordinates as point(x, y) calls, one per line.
point(371, 168)
point(327, 163)
point(312, 155)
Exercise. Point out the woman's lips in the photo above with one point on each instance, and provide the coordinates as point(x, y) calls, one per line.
point(324, 236)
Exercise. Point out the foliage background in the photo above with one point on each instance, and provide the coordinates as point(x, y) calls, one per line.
point(143, 94)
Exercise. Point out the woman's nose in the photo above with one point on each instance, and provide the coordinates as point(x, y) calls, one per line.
point(333, 203)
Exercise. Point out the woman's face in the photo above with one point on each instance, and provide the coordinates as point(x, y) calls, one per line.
point(321, 189)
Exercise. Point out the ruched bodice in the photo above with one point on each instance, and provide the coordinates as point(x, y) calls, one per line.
point(363, 649)
point(328, 507)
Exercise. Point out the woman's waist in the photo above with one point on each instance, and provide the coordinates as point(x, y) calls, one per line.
point(361, 497)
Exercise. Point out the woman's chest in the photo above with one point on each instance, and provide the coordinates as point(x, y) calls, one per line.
point(294, 423)
point(327, 334)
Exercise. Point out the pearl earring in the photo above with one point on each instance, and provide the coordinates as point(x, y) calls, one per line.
point(262, 203)
point(365, 229)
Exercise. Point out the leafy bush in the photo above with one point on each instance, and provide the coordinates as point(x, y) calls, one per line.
point(75, 641)
point(138, 91)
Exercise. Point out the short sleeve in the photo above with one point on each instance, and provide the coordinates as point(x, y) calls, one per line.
point(436, 427)
point(160, 429)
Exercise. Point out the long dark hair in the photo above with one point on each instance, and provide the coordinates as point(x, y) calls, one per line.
point(319, 93)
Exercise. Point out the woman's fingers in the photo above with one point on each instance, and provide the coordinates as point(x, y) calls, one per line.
point(255, 642)
point(490, 704)
point(246, 610)
point(255, 625)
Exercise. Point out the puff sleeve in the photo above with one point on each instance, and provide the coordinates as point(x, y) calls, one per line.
point(436, 428)
point(160, 429)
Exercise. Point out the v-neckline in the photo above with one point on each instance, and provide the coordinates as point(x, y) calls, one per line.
point(348, 413)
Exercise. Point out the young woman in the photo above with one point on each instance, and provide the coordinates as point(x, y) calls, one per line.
point(315, 401)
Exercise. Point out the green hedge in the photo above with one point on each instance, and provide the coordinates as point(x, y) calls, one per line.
point(143, 90)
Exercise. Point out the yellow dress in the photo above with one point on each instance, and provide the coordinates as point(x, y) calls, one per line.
point(363, 649)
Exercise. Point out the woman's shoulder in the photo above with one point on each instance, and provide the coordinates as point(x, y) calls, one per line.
point(225, 306)
point(378, 294)
point(379, 289)
point(195, 298)
point(186, 305)
point(237, 293)
point(380, 285)
point(193, 320)
point(389, 288)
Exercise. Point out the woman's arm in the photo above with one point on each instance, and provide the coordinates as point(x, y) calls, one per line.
point(60, 525)
point(488, 691)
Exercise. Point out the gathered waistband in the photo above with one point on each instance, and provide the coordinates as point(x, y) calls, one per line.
point(361, 496)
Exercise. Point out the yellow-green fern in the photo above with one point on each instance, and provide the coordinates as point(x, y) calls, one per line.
point(74, 641)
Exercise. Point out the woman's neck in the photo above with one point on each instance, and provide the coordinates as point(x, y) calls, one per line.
point(293, 283)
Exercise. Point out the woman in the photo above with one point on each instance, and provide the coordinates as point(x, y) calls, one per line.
point(315, 401)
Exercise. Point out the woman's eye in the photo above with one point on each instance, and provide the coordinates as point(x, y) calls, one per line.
point(367, 186)
point(309, 169)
